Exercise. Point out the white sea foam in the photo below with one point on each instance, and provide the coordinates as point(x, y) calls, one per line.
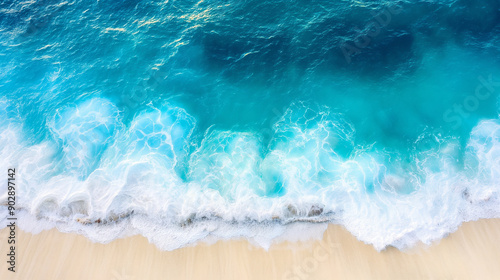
point(126, 181)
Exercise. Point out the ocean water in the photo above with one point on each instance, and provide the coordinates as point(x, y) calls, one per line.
point(188, 121)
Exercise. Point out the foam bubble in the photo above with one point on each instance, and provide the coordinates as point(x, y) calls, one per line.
point(228, 162)
point(84, 132)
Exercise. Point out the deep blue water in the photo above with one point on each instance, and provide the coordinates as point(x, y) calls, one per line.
point(182, 119)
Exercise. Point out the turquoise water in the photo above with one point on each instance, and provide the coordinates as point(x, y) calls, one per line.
point(185, 120)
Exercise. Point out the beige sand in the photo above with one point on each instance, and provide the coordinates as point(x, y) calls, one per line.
point(473, 252)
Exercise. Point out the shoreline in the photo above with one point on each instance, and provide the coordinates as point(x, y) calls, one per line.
point(472, 252)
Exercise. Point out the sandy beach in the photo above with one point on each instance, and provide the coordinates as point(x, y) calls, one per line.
point(473, 252)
